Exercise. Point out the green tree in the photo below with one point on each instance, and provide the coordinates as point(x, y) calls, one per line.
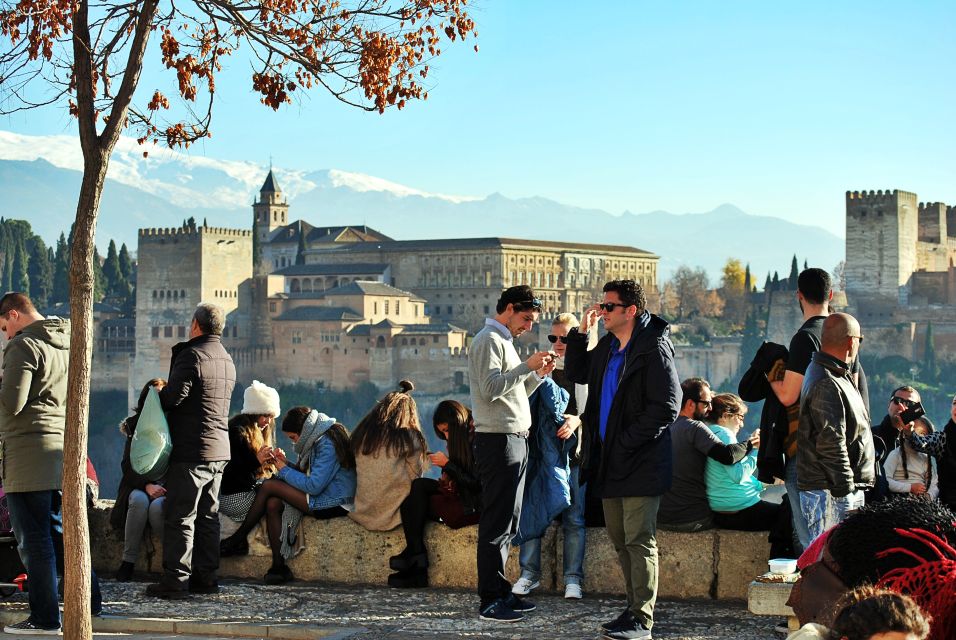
point(748, 284)
point(21, 281)
point(61, 271)
point(794, 274)
point(40, 273)
point(930, 364)
point(7, 272)
point(115, 283)
point(126, 264)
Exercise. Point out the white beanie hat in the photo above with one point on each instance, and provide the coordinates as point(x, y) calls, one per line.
point(260, 399)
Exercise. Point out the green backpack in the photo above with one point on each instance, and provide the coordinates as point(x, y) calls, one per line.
point(152, 444)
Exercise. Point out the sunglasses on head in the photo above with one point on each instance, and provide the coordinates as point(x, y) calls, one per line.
point(609, 306)
point(533, 304)
point(553, 338)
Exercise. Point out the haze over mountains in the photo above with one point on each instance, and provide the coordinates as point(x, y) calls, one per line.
point(40, 177)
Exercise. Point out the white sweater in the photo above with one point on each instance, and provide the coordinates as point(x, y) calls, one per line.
point(916, 465)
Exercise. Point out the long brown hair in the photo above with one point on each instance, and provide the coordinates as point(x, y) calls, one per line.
point(294, 422)
point(247, 426)
point(458, 418)
point(392, 425)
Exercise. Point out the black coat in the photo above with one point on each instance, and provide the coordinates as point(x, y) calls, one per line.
point(196, 400)
point(635, 457)
point(755, 387)
point(129, 481)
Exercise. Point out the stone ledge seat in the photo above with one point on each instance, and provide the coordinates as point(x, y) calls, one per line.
point(709, 564)
point(770, 599)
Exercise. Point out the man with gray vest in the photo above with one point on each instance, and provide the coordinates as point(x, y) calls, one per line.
point(196, 400)
point(500, 386)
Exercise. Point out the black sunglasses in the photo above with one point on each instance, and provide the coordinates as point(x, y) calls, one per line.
point(533, 304)
point(903, 402)
point(553, 338)
point(609, 306)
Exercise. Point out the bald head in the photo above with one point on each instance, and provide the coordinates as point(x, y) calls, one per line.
point(841, 336)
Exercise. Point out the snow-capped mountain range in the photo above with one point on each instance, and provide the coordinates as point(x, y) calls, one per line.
point(40, 176)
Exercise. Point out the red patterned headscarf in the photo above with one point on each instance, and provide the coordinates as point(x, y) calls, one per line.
point(931, 582)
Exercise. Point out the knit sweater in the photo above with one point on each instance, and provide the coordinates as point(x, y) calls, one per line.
point(500, 383)
point(382, 483)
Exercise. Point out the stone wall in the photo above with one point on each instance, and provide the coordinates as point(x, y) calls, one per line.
point(711, 564)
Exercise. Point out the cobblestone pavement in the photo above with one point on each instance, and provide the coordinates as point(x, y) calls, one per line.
point(382, 613)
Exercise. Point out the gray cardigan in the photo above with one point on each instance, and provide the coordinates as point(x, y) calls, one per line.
point(500, 384)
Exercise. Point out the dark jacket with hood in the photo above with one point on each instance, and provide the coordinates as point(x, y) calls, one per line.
point(834, 443)
point(33, 406)
point(196, 400)
point(634, 459)
point(754, 387)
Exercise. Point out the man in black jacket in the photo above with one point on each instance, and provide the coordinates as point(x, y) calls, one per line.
point(634, 395)
point(196, 401)
point(834, 443)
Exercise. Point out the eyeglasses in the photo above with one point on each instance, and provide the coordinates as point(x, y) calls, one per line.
point(903, 402)
point(609, 306)
point(533, 304)
point(553, 339)
point(735, 415)
point(707, 403)
point(859, 337)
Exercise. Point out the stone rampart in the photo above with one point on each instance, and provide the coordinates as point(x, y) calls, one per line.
point(710, 564)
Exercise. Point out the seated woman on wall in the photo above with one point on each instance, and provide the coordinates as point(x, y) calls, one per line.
point(733, 491)
point(390, 451)
point(138, 500)
point(321, 484)
point(251, 439)
point(454, 499)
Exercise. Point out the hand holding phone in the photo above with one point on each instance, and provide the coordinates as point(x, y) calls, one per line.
point(911, 414)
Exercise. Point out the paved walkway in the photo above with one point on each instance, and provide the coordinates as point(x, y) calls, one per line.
point(330, 611)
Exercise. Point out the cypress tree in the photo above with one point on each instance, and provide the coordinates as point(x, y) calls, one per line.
point(794, 273)
point(61, 271)
point(40, 271)
point(126, 264)
point(21, 281)
point(114, 284)
point(767, 286)
point(747, 283)
point(7, 272)
point(776, 281)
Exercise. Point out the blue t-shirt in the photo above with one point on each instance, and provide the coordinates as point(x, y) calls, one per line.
point(615, 369)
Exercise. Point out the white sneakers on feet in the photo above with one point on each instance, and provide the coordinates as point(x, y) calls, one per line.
point(524, 586)
point(572, 591)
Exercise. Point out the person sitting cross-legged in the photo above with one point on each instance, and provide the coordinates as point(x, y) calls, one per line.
point(321, 484)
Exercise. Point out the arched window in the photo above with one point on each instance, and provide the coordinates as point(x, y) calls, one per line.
point(294, 286)
point(380, 342)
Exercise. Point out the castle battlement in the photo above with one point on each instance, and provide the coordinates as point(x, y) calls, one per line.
point(153, 233)
point(926, 206)
point(876, 197)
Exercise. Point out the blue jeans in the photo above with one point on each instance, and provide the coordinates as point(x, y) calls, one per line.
point(572, 523)
point(34, 515)
point(38, 526)
point(801, 531)
point(822, 510)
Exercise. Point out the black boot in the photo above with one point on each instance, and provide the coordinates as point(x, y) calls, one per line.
point(414, 578)
point(125, 572)
point(405, 561)
point(233, 546)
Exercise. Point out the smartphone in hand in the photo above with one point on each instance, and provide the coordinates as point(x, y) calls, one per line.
point(915, 411)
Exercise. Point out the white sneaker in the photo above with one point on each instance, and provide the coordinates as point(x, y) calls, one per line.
point(572, 591)
point(524, 586)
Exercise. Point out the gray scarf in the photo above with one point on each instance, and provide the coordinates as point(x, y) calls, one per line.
point(316, 424)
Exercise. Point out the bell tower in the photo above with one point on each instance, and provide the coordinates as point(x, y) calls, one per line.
point(270, 212)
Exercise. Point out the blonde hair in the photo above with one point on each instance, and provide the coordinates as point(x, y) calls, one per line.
point(568, 320)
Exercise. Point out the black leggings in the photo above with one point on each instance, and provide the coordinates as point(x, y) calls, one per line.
point(415, 510)
point(270, 501)
point(762, 516)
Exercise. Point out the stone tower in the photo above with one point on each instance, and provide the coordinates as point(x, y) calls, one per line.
point(177, 269)
point(271, 212)
point(882, 230)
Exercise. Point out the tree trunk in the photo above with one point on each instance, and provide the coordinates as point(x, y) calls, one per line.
point(78, 568)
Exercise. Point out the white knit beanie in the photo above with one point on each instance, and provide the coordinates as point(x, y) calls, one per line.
point(260, 399)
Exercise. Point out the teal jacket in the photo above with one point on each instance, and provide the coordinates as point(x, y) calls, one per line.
point(734, 487)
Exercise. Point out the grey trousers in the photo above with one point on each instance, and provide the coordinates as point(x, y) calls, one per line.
point(632, 527)
point(141, 511)
point(191, 522)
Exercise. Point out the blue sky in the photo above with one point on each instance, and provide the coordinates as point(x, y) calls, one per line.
point(777, 107)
